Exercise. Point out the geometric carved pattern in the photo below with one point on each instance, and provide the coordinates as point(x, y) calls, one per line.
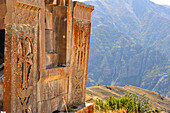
point(35, 3)
point(81, 38)
point(24, 16)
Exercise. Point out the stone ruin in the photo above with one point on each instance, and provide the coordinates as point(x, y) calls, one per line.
point(46, 49)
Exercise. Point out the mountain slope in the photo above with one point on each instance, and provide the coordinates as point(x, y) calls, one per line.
point(103, 92)
point(130, 44)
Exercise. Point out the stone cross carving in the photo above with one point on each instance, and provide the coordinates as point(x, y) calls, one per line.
point(25, 62)
point(39, 79)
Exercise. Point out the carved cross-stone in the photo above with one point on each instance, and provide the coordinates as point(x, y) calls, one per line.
point(25, 62)
point(30, 86)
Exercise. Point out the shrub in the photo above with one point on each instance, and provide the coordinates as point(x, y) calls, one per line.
point(130, 102)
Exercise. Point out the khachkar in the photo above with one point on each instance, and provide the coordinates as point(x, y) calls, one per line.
point(46, 54)
point(81, 39)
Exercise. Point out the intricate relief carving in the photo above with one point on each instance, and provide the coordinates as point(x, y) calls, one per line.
point(25, 69)
point(24, 16)
point(35, 3)
point(24, 32)
point(81, 38)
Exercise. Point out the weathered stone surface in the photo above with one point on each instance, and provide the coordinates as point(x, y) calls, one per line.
point(2, 1)
point(51, 60)
point(50, 41)
point(35, 3)
point(21, 61)
point(7, 71)
point(60, 32)
point(48, 17)
point(46, 57)
point(81, 39)
point(57, 2)
point(2, 25)
point(2, 10)
point(2, 13)
point(42, 40)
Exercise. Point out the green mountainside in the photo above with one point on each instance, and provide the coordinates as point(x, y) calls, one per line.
point(130, 44)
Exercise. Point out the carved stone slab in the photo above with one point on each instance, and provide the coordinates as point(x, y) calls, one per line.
point(21, 61)
point(60, 39)
point(53, 91)
point(81, 39)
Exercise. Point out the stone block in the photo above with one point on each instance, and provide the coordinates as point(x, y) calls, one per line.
point(49, 20)
point(51, 2)
point(58, 103)
point(51, 60)
point(2, 1)
point(2, 26)
point(49, 40)
point(2, 10)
